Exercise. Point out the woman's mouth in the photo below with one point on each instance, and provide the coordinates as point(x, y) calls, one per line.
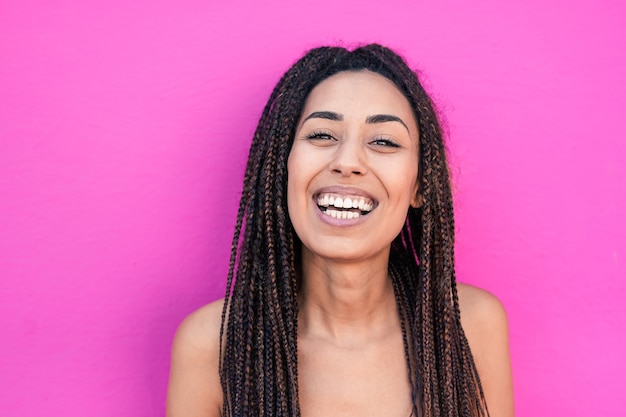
point(344, 206)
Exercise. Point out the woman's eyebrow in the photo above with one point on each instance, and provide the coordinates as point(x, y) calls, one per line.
point(383, 118)
point(330, 115)
point(376, 118)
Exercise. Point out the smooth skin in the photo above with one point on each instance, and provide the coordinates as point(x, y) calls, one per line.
point(350, 348)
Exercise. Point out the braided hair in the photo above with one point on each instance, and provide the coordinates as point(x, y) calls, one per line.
point(259, 361)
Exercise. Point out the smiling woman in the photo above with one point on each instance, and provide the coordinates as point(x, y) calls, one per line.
point(353, 145)
point(341, 296)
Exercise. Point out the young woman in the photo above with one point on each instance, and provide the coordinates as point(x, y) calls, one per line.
point(341, 297)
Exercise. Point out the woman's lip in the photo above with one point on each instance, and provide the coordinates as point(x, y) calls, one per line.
point(344, 191)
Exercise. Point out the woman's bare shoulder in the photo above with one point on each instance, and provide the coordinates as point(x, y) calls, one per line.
point(194, 385)
point(480, 310)
point(485, 324)
point(200, 330)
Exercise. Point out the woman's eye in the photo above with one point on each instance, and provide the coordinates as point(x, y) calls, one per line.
point(384, 142)
point(320, 136)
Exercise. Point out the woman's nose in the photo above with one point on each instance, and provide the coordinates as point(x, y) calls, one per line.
point(348, 159)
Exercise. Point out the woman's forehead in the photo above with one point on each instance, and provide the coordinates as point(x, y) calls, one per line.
point(358, 95)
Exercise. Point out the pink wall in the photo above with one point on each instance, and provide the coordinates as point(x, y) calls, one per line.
point(124, 128)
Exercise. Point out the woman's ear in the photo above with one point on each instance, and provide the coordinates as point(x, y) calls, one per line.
point(417, 200)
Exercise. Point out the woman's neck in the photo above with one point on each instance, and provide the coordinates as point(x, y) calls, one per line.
point(346, 303)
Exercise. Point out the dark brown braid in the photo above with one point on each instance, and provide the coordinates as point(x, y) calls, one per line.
point(259, 362)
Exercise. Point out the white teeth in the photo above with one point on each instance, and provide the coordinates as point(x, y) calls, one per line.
point(363, 206)
point(336, 214)
point(330, 200)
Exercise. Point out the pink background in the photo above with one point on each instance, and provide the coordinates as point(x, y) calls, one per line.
point(124, 128)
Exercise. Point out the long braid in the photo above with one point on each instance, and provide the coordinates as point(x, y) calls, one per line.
point(259, 361)
point(456, 376)
point(259, 364)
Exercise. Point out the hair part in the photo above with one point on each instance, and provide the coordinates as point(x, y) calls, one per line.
point(259, 363)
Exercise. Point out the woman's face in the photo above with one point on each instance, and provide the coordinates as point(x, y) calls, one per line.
point(353, 167)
